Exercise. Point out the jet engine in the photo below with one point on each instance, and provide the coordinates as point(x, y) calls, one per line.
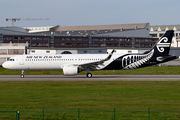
point(70, 70)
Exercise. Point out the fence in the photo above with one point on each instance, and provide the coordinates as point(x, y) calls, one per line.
point(93, 114)
point(9, 115)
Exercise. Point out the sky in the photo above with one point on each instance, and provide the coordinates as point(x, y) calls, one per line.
point(89, 12)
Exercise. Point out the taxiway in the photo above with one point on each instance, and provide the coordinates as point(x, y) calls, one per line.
point(94, 78)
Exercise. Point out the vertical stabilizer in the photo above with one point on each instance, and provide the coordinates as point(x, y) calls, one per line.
point(163, 45)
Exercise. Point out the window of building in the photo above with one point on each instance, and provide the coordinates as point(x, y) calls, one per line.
point(57, 44)
point(33, 44)
point(45, 44)
point(152, 40)
point(142, 45)
point(146, 45)
point(153, 35)
point(111, 44)
point(137, 45)
point(85, 39)
point(63, 39)
point(122, 40)
point(106, 39)
point(96, 39)
point(68, 44)
point(101, 39)
point(21, 38)
point(39, 44)
point(45, 38)
point(116, 39)
point(63, 44)
point(8, 38)
point(15, 38)
point(74, 44)
point(146, 40)
point(117, 45)
point(137, 40)
point(85, 44)
point(27, 38)
point(58, 39)
point(107, 44)
point(122, 45)
point(111, 39)
point(95, 44)
point(142, 40)
point(68, 39)
point(79, 39)
point(127, 40)
point(79, 44)
point(33, 38)
point(73, 39)
point(126, 45)
point(39, 38)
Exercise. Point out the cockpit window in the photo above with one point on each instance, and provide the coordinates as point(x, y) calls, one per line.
point(11, 60)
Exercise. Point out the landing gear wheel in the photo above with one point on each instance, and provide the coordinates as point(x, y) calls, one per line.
point(22, 76)
point(89, 75)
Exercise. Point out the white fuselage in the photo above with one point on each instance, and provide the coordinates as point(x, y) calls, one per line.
point(55, 62)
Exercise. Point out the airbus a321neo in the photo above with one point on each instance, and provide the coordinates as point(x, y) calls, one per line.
point(72, 64)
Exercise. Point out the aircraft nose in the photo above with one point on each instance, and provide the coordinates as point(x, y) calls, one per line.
point(5, 65)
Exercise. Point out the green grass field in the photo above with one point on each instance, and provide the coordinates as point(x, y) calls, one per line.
point(33, 96)
point(69, 94)
point(51, 100)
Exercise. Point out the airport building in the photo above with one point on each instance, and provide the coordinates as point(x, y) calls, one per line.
point(95, 36)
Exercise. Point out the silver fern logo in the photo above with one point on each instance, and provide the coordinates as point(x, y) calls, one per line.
point(162, 44)
point(135, 61)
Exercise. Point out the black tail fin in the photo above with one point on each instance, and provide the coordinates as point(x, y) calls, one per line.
point(163, 45)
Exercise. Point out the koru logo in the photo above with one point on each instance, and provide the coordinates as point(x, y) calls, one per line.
point(162, 44)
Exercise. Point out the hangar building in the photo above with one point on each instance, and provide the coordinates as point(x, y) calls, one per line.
point(95, 36)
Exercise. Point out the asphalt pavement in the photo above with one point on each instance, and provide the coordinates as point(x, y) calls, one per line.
point(94, 78)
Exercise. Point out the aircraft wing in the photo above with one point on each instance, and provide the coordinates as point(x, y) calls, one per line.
point(93, 65)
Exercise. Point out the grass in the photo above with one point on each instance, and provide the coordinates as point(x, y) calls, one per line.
point(96, 100)
point(147, 70)
point(33, 96)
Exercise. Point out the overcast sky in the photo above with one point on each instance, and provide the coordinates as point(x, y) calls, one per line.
point(90, 12)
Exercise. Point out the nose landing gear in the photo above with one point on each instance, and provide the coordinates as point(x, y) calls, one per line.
point(22, 74)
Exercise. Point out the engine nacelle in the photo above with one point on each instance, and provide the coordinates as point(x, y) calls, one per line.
point(70, 70)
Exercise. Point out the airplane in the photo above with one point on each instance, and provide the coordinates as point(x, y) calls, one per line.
point(72, 64)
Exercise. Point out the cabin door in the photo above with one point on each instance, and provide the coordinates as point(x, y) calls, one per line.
point(21, 61)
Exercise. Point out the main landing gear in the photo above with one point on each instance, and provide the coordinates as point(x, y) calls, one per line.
point(22, 74)
point(89, 75)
